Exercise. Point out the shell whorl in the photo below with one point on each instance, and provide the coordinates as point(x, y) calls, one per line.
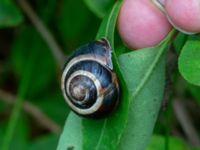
point(82, 87)
point(88, 82)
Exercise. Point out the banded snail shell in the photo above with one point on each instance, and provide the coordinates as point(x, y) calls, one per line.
point(89, 85)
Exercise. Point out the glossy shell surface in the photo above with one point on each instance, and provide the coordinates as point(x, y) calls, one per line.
point(89, 85)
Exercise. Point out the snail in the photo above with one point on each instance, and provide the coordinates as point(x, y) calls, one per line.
point(89, 85)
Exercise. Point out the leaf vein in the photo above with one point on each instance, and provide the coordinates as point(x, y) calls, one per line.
point(102, 133)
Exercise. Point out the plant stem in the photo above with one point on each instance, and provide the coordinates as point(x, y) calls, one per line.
point(12, 123)
point(45, 33)
point(26, 79)
point(171, 68)
point(168, 124)
point(22, 90)
point(184, 120)
point(34, 111)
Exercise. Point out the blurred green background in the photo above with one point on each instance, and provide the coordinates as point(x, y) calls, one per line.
point(28, 69)
point(29, 73)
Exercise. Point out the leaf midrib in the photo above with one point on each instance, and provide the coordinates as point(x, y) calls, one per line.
point(144, 80)
point(109, 20)
point(149, 72)
point(101, 136)
point(106, 35)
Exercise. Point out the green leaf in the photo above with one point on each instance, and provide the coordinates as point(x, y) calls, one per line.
point(75, 24)
point(21, 93)
point(71, 137)
point(99, 7)
point(189, 60)
point(105, 133)
point(144, 73)
point(179, 41)
point(68, 25)
point(31, 63)
point(51, 102)
point(195, 91)
point(20, 137)
point(158, 143)
point(45, 10)
point(9, 14)
point(27, 42)
point(45, 142)
point(3, 105)
point(148, 70)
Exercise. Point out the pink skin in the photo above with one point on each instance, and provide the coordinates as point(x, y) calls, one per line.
point(184, 14)
point(162, 1)
point(141, 24)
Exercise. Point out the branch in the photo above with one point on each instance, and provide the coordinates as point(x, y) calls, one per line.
point(45, 33)
point(34, 111)
point(184, 120)
point(171, 67)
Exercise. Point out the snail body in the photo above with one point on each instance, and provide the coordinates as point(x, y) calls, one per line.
point(89, 85)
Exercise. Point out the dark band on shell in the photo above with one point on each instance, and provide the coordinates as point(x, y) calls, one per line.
point(89, 85)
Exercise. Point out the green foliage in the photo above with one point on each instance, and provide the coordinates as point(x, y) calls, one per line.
point(68, 26)
point(158, 143)
point(179, 42)
point(47, 142)
point(107, 133)
point(50, 104)
point(100, 130)
point(20, 138)
point(189, 62)
point(195, 91)
point(34, 76)
point(75, 24)
point(35, 68)
point(71, 137)
point(2, 105)
point(29, 41)
point(100, 7)
point(9, 14)
point(147, 66)
point(25, 83)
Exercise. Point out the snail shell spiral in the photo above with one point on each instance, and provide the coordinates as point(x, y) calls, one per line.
point(89, 85)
